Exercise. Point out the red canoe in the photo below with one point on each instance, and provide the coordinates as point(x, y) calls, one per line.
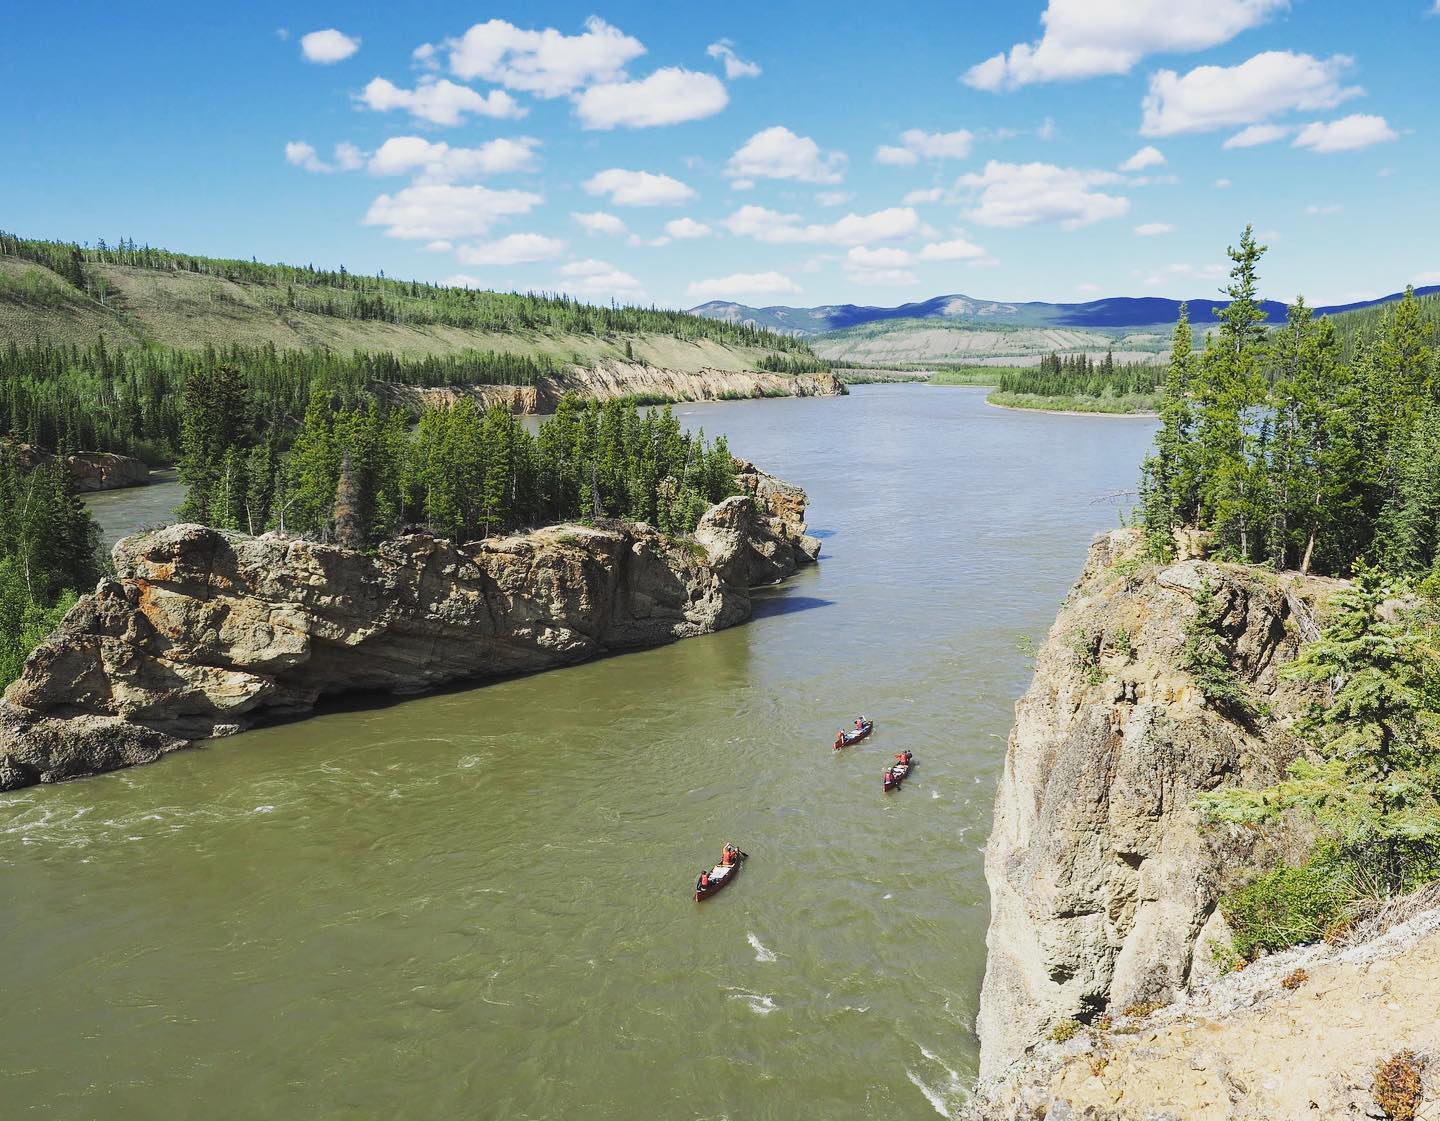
point(720, 875)
point(898, 772)
point(854, 735)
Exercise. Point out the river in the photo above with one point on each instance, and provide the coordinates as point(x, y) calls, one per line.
point(476, 904)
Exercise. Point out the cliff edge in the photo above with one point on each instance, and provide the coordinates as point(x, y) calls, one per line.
point(1103, 886)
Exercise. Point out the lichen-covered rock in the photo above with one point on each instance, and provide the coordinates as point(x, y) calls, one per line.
point(203, 632)
point(1101, 881)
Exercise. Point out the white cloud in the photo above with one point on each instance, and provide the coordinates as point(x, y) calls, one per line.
point(888, 278)
point(439, 245)
point(1009, 194)
point(1046, 131)
point(1154, 229)
point(426, 55)
point(833, 198)
point(440, 211)
point(916, 144)
point(547, 62)
point(1328, 208)
point(1272, 82)
point(685, 229)
point(1148, 156)
point(666, 97)
point(957, 249)
point(1422, 279)
point(742, 284)
point(1171, 273)
point(300, 154)
point(1222, 183)
point(599, 279)
point(1087, 289)
point(463, 280)
point(1256, 135)
point(777, 153)
point(1085, 38)
point(866, 258)
point(328, 46)
point(892, 156)
point(1359, 130)
point(742, 184)
point(438, 100)
point(437, 162)
point(599, 222)
point(735, 66)
point(347, 157)
point(516, 249)
point(927, 194)
point(854, 229)
point(638, 188)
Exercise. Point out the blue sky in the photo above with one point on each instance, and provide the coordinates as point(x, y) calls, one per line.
point(803, 153)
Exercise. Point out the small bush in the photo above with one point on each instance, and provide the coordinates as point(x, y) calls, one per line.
point(1294, 979)
point(1141, 1009)
point(1397, 1085)
point(1065, 1031)
point(1085, 647)
point(1286, 907)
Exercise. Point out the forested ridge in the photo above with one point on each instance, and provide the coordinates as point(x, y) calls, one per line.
point(345, 295)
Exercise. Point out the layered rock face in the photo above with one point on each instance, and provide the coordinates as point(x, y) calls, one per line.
point(611, 379)
point(1103, 887)
point(203, 633)
point(91, 471)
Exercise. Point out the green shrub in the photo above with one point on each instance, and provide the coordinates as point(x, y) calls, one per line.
point(1065, 1031)
point(1288, 907)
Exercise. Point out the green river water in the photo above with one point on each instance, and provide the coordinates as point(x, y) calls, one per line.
point(477, 905)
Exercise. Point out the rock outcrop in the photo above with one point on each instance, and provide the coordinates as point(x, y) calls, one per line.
point(1297, 1035)
point(1103, 886)
point(91, 471)
point(610, 379)
point(204, 633)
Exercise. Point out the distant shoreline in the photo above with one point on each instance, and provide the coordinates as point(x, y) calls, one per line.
point(1072, 412)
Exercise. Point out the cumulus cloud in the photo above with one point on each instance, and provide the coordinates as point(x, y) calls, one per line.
point(1359, 130)
point(776, 228)
point(444, 211)
point(599, 222)
point(957, 249)
point(863, 257)
point(833, 198)
point(777, 153)
point(1154, 229)
point(599, 279)
point(346, 157)
point(437, 162)
point(735, 66)
point(463, 280)
point(1270, 83)
point(666, 97)
point(1009, 194)
point(438, 100)
point(516, 249)
point(685, 229)
point(328, 46)
point(1148, 156)
point(742, 284)
point(1256, 135)
point(1222, 183)
point(548, 62)
point(1085, 38)
point(916, 144)
point(925, 194)
point(638, 188)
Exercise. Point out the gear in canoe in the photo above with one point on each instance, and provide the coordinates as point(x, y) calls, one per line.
point(713, 879)
point(846, 736)
point(899, 770)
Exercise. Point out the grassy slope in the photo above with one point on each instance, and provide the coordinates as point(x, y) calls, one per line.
point(936, 340)
point(190, 310)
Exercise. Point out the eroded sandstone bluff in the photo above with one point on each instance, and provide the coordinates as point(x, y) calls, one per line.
point(204, 633)
point(612, 379)
point(1103, 885)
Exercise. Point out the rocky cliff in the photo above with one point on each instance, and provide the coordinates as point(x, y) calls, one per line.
point(91, 471)
point(610, 379)
point(1103, 886)
point(204, 633)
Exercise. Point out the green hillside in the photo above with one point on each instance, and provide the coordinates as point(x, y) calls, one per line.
point(64, 293)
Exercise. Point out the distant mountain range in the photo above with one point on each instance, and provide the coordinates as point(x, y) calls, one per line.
point(1109, 314)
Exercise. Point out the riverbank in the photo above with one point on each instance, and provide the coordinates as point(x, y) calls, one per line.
point(1045, 408)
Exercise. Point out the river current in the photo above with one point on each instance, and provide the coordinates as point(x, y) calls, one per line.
point(476, 904)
